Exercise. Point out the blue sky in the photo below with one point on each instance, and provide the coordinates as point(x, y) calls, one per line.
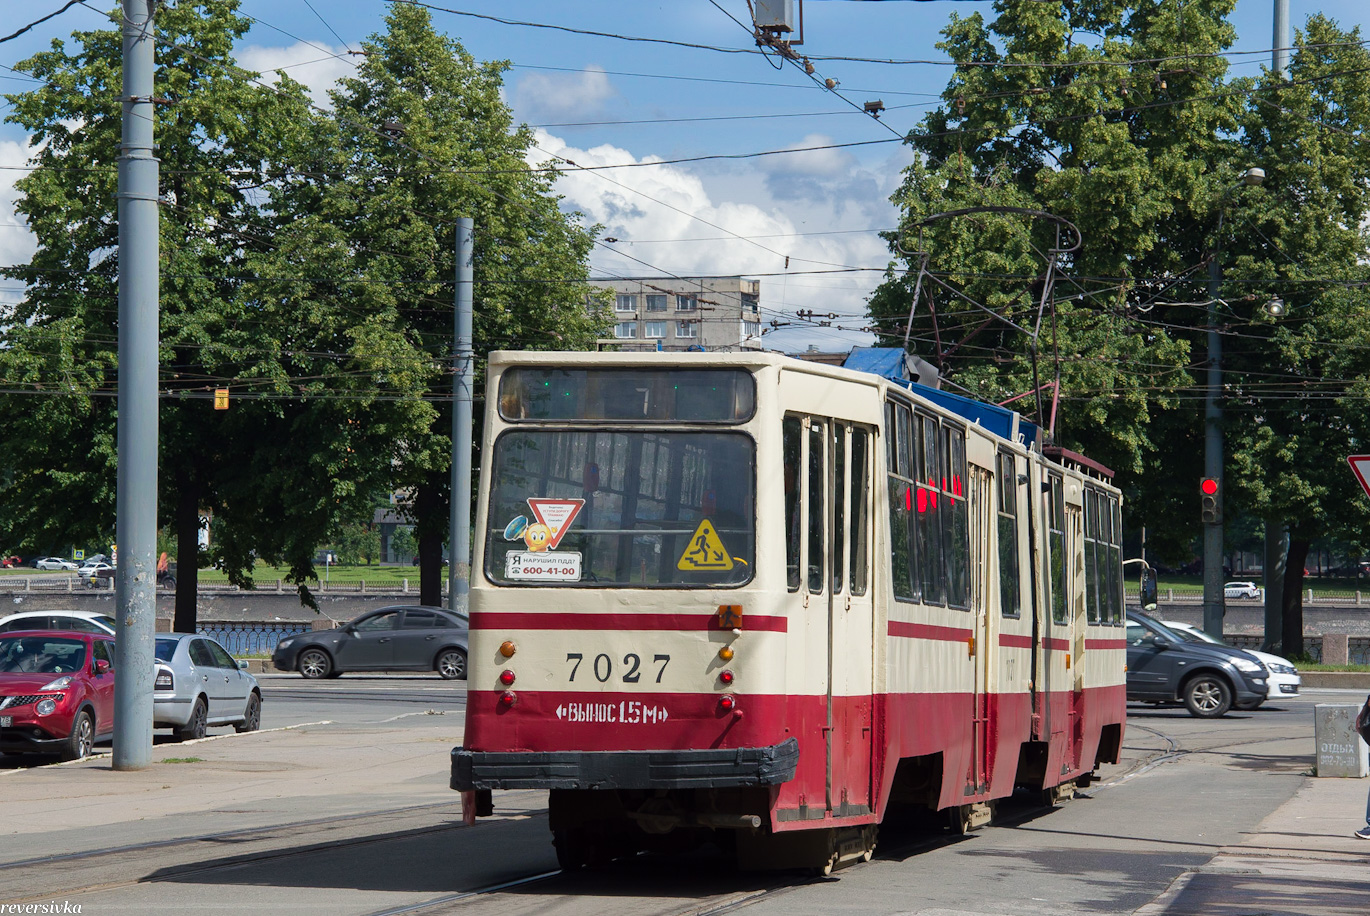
point(818, 209)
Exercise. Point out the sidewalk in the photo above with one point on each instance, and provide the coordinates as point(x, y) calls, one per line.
point(1302, 860)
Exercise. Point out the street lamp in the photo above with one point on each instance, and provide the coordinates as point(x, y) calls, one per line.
point(1213, 430)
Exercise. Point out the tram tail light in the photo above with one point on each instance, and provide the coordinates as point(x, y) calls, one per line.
point(508, 698)
point(727, 703)
point(507, 648)
point(725, 676)
point(726, 653)
point(506, 677)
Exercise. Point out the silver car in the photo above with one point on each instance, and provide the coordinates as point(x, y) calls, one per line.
point(198, 684)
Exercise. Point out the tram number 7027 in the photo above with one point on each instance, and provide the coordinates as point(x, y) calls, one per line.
point(603, 667)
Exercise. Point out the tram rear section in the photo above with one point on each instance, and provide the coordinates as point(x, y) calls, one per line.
point(757, 601)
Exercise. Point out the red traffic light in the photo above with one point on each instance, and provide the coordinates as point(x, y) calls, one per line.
point(1208, 486)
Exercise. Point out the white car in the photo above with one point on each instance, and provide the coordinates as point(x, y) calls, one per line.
point(1241, 590)
point(199, 685)
point(53, 563)
point(80, 621)
point(1284, 680)
point(89, 569)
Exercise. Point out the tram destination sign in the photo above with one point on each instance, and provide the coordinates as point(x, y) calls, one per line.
point(542, 565)
point(1360, 465)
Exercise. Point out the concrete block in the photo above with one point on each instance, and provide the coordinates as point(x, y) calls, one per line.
point(322, 623)
point(1340, 750)
point(1336, 648)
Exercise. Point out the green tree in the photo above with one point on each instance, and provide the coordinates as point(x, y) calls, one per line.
point(421, 137)
point(1122, 119)
point(253, 299)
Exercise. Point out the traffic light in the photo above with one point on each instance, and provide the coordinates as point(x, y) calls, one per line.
point(1210, 500)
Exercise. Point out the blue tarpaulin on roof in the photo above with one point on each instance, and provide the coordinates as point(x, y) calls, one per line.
point(889, 363)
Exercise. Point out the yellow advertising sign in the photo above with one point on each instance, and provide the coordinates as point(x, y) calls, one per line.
point(705, 552)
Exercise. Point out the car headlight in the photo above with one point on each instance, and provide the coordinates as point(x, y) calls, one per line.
point(285, 643)
point(1248, 666)
point(45, 706)
point(62, 683)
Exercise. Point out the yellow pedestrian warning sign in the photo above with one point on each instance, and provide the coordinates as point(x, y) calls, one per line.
point(705, 552)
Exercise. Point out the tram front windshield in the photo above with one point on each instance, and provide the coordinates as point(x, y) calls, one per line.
point(621, 508)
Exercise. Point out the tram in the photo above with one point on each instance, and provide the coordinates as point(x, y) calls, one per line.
point(761, 601)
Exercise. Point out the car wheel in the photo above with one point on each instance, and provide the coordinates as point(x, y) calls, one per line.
point(1207, 696)
point(451, 664)
point(82, 739)
point(252, 716)
point(315, 663)
point(197, 725)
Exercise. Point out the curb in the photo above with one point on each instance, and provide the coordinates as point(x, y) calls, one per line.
point(1357, 680)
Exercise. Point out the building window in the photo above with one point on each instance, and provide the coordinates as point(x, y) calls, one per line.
point(751, 329)
point(625, 302)
point(749, 302)
point(686, 303)
point(686, 329)
point(656, 302)
point(625, 329)
point(654, 330)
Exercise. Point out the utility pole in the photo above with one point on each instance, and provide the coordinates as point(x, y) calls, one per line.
point(1279, 56)
point(136, 499)
point(1214, 605)
point(463, 381)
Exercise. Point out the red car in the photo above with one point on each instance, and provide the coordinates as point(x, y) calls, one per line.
point(56, 692)
point(13, 562)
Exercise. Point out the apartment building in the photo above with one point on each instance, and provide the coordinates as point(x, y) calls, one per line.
point(694, 313)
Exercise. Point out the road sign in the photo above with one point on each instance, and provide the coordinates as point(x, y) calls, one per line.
point(1361, 465)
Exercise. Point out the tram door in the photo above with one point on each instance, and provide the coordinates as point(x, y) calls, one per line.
point(1075, 547)
point(985, 643)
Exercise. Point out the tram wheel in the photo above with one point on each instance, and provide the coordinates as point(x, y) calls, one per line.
point(571, 847)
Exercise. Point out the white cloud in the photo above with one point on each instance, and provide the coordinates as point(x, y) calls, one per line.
point(17, 243)
point(310, 64)
point(822, 212)
point(540, 97)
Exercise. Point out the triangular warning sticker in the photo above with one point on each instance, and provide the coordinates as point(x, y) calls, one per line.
point(705, 551)
point(557, 515)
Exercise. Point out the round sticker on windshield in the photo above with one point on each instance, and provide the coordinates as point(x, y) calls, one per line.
point(514, 530)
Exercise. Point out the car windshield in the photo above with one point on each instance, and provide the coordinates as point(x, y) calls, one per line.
point(605, 508)
point(41, 655)
point(164, 648)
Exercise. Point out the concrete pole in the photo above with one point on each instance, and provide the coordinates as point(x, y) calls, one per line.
point(136, 499)
point(463, 382)
point(1276, 553)
point(1214, 606)
point(1279, 56)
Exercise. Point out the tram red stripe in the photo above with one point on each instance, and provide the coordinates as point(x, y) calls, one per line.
point(927, 631)
point(522, 620)
point(1105, 643)
point(1014, 641)
point(1060, 645)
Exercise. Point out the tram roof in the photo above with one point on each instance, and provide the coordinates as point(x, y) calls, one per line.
point(1001, 421)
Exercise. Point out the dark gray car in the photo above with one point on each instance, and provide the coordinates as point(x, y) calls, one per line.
point(399, 638)
point(1163, 666)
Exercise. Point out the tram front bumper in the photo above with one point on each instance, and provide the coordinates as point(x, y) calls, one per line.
point(695, 769)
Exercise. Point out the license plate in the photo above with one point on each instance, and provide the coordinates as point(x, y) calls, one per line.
point(6, 721)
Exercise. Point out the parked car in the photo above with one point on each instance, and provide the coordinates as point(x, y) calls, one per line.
point(56, 692)
point(11, 562)
point(80, 621)
point(1164, 667)
point(1284, 680)
point(391, 638)
point(1241, 590)
point(198, 684)
point(53, 563)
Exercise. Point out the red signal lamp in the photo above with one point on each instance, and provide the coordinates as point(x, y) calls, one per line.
point(1208, 486)
point(508, 699)
point(727, 703)
point(506, 677)
point(725, 676)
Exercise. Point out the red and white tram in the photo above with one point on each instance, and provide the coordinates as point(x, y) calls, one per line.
point(765, 599)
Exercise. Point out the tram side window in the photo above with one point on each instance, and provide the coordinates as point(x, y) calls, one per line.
point(789, 449)
point(898, 420)
point(838, 449)
point(1092, 555)
point(956, 518)
point(860, 510)
point(817, 485)
point(928, 514)
point(1007, 480)
point(1115, 561)
point(1056, 521)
